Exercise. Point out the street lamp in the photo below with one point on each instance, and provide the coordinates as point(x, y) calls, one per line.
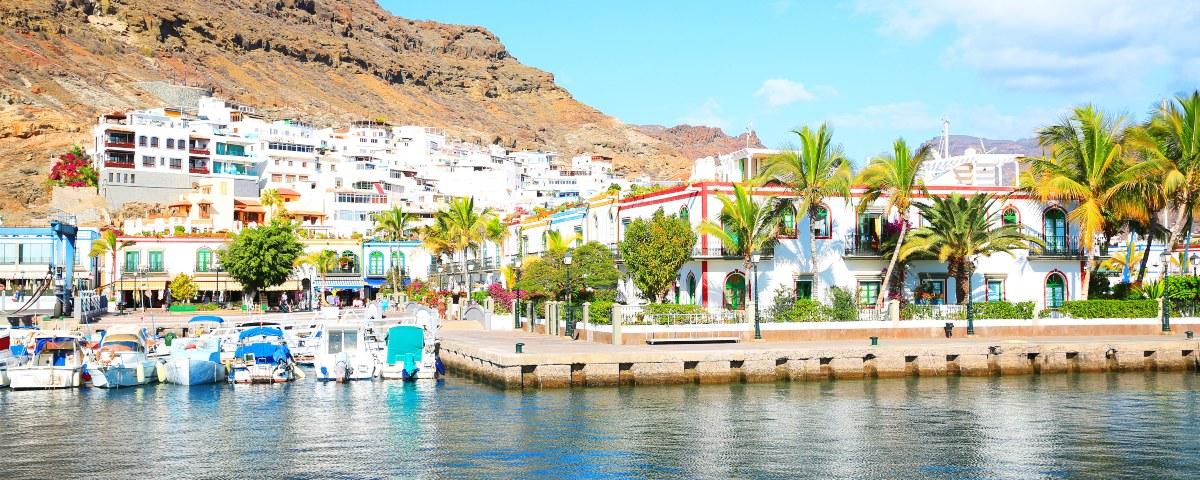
point(1166, 302)
point(516, 267)
point(1195, 259)
point(754, 259)
point(970, 301)
point(217, 268)
point(570, 324)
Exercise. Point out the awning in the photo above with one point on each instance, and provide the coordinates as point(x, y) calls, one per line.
point(250, 209)
point(231, 285)
point(305, 213)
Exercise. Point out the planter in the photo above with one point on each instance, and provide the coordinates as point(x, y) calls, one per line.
point(182, 308)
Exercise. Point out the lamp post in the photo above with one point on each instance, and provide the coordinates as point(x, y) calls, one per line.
point(754, 259)
point(970, 301)
point(217, 268)
point(1195, 259)
point(1166, 300)
point(570, 323)
point(516, 267)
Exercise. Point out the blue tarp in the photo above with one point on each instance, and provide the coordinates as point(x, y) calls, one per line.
point(404, 340)
point(264, 352)
point(55, 342)
point(207, 318)
point(260, 331)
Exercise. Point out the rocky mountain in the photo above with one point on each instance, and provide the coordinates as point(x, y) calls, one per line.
point(63, 62)
point(960, 143)
point(696, 141)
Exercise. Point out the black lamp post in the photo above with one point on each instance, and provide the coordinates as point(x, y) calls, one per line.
point(570, 324)
point(217, 268)
point(1166, 300)
point(754, 259)
point(1195, 259)
point(516, 266)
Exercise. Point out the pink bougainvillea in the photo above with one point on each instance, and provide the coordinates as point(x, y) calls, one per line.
point(73, 169)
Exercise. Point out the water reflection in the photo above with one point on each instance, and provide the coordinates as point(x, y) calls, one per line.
point(1137, 425)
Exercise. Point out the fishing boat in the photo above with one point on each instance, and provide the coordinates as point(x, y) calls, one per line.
point(262, 356)
point(122, 360)
point(56, 361)
point(342, 354)
point(412, 354)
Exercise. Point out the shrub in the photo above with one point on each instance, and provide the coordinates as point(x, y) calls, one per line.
point(479, 297)
point(802, 310)
point(206, 307)
point(604, 295)
point(601, 312)
point(1003, 310)
point(663, 310)
point(1110, 308)
point(183, 288)
point(73, 169)
point(842, 306)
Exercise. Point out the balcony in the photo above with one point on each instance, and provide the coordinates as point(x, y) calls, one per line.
point(725, 253)
point(118, 144)
point(118, 163)
point(863, 247)
point(1057, 246)
point(201, 171)
point(198, 151)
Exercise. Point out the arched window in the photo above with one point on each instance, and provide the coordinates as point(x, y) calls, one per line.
point(735, 292)
point(375, 263)
point(1054, 230)
point(691, 289)
point(821, 224)
point(1056, 290)
point(787, 227)
point(349, 262)
point(397, 260)
point(1010, 217)
point(170, 143)
point(203, 260)
point(683, 213)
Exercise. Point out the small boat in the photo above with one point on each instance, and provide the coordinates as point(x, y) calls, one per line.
point(262, 356)
point(303, 341)
point(7, 356)
point(342, 354)
point(56, 361)
point(412, 354)
point(197, 360)
point(122, 359)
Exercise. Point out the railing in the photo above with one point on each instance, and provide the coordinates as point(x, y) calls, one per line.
point(933, 312)
point(723, 317)
point(722, 252)
point(118, 164)
point(116, 144)
point(863, 247)
point(693, 327)
point(198, 170)
point(1057, 246)
point(198, 151)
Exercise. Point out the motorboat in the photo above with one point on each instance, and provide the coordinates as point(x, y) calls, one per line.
point(342, 354)
point(56, 361)
point(196, 360)
point(9, 357)
point(262, 356)
point(303, 341)
point(122, 359)
point(412, 354)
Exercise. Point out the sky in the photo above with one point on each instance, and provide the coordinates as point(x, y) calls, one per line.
point(875, 70)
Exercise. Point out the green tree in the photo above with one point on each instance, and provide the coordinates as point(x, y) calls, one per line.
point(1090, 166)
point(654, 250)
point(393, 224)
point(462, 227)
point(273, 201)
point(323, 262)
point(747, 227)
point(815, 172)
point(262, 257)
point(895, 176)
point(183, 288)
point(593, 266)
point(1172, 143)
point(555, 241)
point(960, 229)
point(109, 244)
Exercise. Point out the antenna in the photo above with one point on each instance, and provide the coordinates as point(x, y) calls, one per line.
point(945, 138)
point(749, 130)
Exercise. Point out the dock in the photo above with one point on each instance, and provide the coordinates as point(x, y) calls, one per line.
point(556, 362)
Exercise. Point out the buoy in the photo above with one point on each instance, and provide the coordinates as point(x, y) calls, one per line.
point(299, 372)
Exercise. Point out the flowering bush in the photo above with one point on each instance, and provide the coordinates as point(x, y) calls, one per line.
point(73, 169)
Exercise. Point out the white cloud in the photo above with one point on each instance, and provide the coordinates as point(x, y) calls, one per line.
point(892, 116)
point(708, 114)
point(1060, 45)
point(779, 92)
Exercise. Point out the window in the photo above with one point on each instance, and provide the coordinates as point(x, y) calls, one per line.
point(176, 163)
point(868, 292)
point(375, 264)
point(1054, 230)
point(36, 253)
point(787, 227)
point(870, 231)
point(995, 289)
point(132, 261)
point(691, 288)
point(147, 161)
point(142, 141)
point(683, 213)
point(170, 143)
point(8, 253)
point(397, 261)
point(821, 224)
point(579, 238)
point(203, 260)
point(349, 262)
point(154, 142)
point(804, 288)
point(275, 177)
point(1056, 290)
point(1009, 217)
point(932, 292)
point(342, 341)
point(155, 262)
point(735, 292)
point(181, 144)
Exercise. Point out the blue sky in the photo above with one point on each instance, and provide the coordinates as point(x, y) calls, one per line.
point(875, 70)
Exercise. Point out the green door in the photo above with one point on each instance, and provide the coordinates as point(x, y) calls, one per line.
point(735, 292)
point(1055, 291)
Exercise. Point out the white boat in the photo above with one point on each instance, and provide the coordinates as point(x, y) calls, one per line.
point(56, 361)
point(342, 354)
point(412, 354)
point(197, 360)
point(303, 341)
point(262, 356)
point(7, 357)
point(122, 359)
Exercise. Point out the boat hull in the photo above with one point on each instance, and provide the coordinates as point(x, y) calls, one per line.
point(118, 376)
point(43, 377)
point(332, 369)
point(261, 373)
point(194, 372)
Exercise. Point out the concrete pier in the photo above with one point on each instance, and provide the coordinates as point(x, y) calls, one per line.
point(555, 362)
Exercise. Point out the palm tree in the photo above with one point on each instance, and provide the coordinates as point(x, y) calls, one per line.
point(747, 227)
point(273, 201)
point(1119, 261)
point(1088, 165)
point(895, 176)
point(1172, 141)
point(323, 262)
point(495, 231)
point(557, 243)
point(108, 244)
point(394, 224)
point(815, 172)
point(960, 229)
point(463, 227)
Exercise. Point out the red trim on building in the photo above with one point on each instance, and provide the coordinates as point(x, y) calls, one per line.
point(704, 282)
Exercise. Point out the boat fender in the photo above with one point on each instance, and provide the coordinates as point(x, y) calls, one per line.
point(324, 372)
point(438, 366)
point(99, 380)
point(298, 372)
point(141, 373)
point(161, 369)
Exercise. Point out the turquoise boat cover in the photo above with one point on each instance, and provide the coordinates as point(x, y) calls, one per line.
point(404, 340)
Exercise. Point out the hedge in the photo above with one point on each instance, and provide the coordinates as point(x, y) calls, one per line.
point(1110, 308)
point(600, 312)
point(801, 311)
point(669, 308)
point(1003, 310)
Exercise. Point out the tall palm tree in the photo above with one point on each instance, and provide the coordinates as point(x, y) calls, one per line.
point(1089, 165)
point(815, 172)
point(323, 262)
point(495, 231)
point(393, 224)
point(1121, 260)
point(1174, 144)
point(747, 227)
point(556, 242)
point(895, 176)
point(464, 227)
point(272, 201)
point(960, 229)
point(109, 244)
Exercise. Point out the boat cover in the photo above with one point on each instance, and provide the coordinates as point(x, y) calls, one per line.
point(264, 352)
point(206, 318)
point(403, 340)
point(54, 343)
point(260, 332)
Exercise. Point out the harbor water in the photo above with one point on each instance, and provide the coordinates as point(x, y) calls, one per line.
point(1134, 425)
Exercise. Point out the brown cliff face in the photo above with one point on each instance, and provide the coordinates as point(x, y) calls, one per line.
point(62, 62)
point(697, 141)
